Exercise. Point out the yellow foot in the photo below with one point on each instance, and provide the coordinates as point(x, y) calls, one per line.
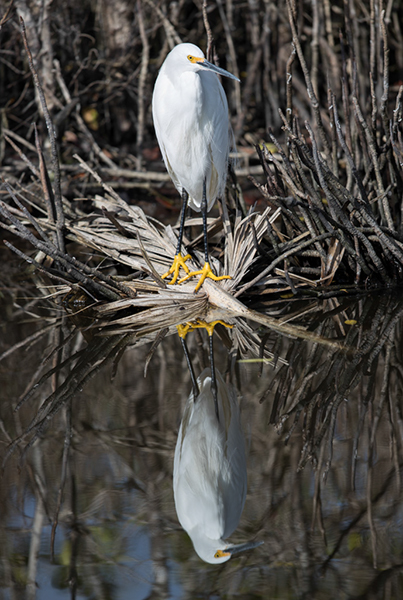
point(179, 261)
point(183, 330)
point(204, 272)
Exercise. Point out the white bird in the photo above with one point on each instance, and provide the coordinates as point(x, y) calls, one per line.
point(210, 471)
point(190, 113)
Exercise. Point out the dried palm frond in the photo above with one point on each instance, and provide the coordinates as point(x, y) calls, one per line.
point(118, 236)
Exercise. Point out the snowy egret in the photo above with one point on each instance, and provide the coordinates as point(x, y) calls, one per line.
point(190, 113)
point(210, 471)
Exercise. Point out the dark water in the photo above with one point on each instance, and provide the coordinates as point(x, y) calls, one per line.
point(92, 448)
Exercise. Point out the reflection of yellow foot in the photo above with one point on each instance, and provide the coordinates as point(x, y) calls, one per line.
point(179, 261)
point(183, 330)
point(204, 272)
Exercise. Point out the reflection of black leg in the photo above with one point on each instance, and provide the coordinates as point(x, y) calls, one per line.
point(213, 377)
point(204, 216)
point(196, 390)
point(185, 198)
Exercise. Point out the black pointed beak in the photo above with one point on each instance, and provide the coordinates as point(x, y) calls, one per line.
point(238, 548)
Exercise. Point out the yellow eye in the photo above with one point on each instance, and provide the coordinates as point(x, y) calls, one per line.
point(221, 554)
point(190, 57)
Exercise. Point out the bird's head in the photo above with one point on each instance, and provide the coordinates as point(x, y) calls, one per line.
point(188, 57)
point(211, 551)
point(216, 552)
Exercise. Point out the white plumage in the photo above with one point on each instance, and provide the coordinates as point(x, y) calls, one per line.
point(210, 470)
point(190, 113)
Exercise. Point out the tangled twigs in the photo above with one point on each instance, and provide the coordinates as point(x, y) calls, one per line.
point(79, 272)
point(6, 15)
point(348, 183)
point(58, 204)
point(311, 92)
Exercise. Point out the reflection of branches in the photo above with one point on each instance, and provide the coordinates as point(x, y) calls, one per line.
point(82, 367)
point(38, 523)
point(316, 386)
point(137, 444)
point(116, 452)
point(372, 501)
point(63, 477)
point(347, 408)
point(379, 581)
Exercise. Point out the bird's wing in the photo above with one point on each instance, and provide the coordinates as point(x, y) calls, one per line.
point(217, 134)
point(233, 475)
point(210, 463)
point(190, 113)
point(197, 465)
point(163, 120)
point(177, 119)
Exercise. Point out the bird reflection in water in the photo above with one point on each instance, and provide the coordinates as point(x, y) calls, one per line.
point(210, 470)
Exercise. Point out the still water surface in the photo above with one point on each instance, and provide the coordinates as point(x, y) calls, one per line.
point(323, 431)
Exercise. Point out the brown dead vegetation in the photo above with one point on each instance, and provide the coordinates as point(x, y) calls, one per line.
point(320, 97)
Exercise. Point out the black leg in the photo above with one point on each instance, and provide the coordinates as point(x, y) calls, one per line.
point(195, 387)
point(204, 216)
point(213, 378)
point(185, 198)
